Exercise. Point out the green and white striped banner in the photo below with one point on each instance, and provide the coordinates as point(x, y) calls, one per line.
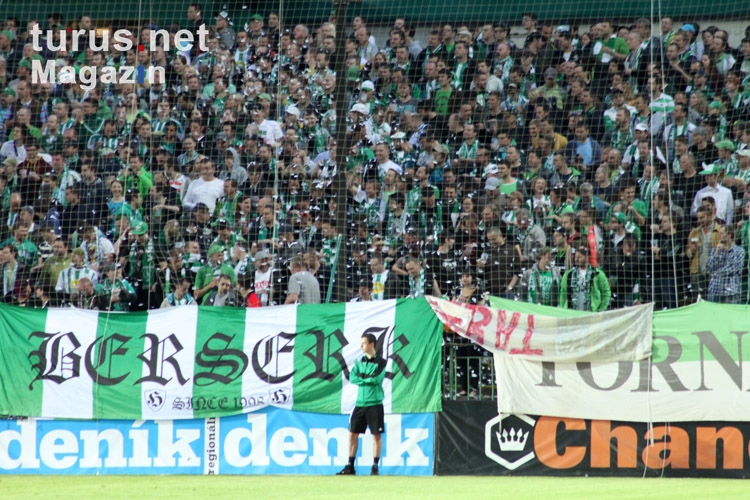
point(191, 362)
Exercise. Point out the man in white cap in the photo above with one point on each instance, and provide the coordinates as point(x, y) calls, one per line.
point(402, 155)
point(722, 196)
point(491, 194)
point(268, 130)
point(291, 117)
point(366, 94)
point(741, 177)
point(630, 155)
point(359, 113)
point(224, 32)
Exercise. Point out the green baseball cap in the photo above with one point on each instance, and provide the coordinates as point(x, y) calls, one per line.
point(711, 169)
point(353, 73)
point(215, 248)
point(139, 228)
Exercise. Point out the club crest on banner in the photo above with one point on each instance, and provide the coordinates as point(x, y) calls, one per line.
point(155, 399)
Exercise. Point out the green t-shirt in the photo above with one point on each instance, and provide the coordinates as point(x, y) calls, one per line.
point(28, 254)
point(441, 101)
point(509, 188)
point(208, 272)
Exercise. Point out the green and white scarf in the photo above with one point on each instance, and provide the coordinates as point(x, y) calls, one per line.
point(417, 286)
point(580, 287)
point(540, 287)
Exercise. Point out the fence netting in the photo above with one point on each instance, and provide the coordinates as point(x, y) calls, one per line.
point(250, 155)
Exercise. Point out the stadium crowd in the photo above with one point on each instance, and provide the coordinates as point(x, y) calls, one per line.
point(583, 169)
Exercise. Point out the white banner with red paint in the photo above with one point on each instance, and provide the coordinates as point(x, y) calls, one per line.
point(621, 335)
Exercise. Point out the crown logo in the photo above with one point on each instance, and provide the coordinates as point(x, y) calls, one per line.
point(512, 439)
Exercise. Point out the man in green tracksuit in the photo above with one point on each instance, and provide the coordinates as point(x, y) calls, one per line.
point(368, 373)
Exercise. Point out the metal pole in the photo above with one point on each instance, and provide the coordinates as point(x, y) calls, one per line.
point(339, 182)
point(334, 271)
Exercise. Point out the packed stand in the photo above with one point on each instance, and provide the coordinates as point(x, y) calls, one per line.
point(582, 169)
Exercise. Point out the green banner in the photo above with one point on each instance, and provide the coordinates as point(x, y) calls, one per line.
point(199, 362)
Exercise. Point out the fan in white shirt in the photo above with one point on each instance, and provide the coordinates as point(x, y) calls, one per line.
point(206, 189)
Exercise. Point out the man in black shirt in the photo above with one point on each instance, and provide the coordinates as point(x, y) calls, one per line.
point(702, 148)
point(688, 182)
point(500, 264)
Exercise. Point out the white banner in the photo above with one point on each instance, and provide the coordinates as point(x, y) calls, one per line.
point(667, 391)
point(695, 374)
point(621, 335)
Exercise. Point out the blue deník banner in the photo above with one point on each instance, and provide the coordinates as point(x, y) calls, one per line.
point(269, 441)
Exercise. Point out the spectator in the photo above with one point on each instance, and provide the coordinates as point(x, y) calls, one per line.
point(114, 293)
point(421, 282)
point(27, 251)
point(55, 264)
point(624, 266)
point(382, 287)
point(223, 295)
point(181, 295)
point(500, 265)
point(585, 147)
point(529, 236)
point(206, 189)
point(141, 265)
point(668, 264)
point(303, 287)
point(701, 242)
point(84, 297)
point(722, 196)
point(468, 292)
point(725, 266)
point(68, 281)
point(98, 249)
point(540, 283)
point(14, 275)
point(207, 278)
point(584, 288)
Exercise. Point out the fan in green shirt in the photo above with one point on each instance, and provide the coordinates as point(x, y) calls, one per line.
point(207, 278)
point(114, 292)
point(443, 94)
